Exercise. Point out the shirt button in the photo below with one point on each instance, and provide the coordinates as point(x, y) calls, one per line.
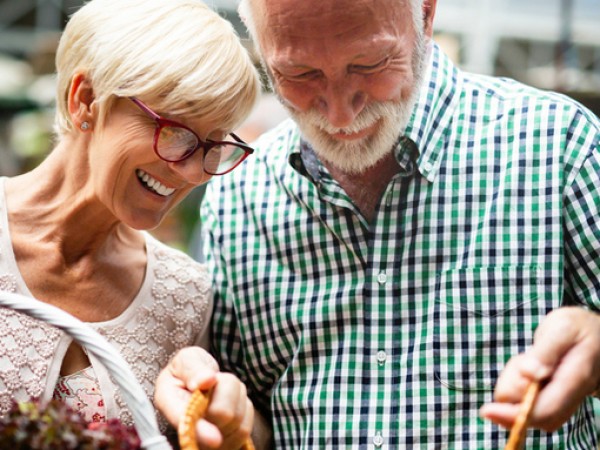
point(382, 278)
point(381, 357)
point(378, 440)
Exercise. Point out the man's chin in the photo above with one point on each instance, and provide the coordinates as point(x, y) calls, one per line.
point(354, 158)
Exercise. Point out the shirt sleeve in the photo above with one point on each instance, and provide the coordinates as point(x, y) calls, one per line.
point(582, 216)
point(224, 339)
point(226, 343)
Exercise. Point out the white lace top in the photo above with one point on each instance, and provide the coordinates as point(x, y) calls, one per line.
point(171, 311)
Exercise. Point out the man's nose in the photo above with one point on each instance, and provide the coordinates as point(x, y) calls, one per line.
point(341, 101)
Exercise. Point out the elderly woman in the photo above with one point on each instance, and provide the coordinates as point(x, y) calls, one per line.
point(148, 94)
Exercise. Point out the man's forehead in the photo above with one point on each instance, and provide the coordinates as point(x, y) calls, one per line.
point(311, 8)
point(303, 16)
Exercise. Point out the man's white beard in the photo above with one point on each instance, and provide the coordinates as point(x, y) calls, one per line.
point(356, 156)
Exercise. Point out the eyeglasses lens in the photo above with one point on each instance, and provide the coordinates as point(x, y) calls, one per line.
point(222, 158)
point(175, 143)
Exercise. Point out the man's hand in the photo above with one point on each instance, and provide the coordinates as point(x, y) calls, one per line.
point(565, 357)
point(229, 418)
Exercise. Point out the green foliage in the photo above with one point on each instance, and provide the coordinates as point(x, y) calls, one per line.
point(54, 426)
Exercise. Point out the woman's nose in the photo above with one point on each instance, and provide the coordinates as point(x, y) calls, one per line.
point(191, 169)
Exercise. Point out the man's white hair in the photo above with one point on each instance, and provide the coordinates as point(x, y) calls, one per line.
point(246, 13)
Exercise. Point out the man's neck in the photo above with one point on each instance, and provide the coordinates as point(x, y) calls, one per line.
point(366, 188)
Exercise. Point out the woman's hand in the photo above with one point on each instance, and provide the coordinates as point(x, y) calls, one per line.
point(229, 418)
point(565, 358)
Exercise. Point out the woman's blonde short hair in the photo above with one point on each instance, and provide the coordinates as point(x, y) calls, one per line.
point(179, 55)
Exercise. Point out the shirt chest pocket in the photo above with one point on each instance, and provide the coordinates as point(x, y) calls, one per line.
point(483, 316)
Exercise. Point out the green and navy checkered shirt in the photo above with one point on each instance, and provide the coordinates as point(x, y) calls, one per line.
point(391, 334)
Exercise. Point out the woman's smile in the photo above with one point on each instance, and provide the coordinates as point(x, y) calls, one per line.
point(153, 185)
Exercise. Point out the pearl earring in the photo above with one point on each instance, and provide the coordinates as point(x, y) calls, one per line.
point(85, 126)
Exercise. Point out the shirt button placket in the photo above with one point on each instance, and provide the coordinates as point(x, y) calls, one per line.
point(381, 358)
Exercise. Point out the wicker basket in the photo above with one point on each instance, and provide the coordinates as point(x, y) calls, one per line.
point(133, 394)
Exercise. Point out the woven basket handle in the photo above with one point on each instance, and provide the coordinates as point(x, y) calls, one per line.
point(516, 439)
point(133, 393)
point(196, 408)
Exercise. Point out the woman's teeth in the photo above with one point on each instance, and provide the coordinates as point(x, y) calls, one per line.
point(153, 184)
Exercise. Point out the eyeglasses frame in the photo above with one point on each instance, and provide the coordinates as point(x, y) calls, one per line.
point(206, 145)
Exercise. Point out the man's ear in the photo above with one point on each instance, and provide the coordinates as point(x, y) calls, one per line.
point(428, 15)
point(80, 100)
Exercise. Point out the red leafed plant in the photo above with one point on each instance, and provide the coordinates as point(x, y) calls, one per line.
point(54, 426)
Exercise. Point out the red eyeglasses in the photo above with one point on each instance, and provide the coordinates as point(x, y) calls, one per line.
point(175, 142)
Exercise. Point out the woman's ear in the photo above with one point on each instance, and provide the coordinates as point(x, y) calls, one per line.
point(81, 98)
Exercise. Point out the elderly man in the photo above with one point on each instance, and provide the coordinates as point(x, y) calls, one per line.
point(383, 260)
